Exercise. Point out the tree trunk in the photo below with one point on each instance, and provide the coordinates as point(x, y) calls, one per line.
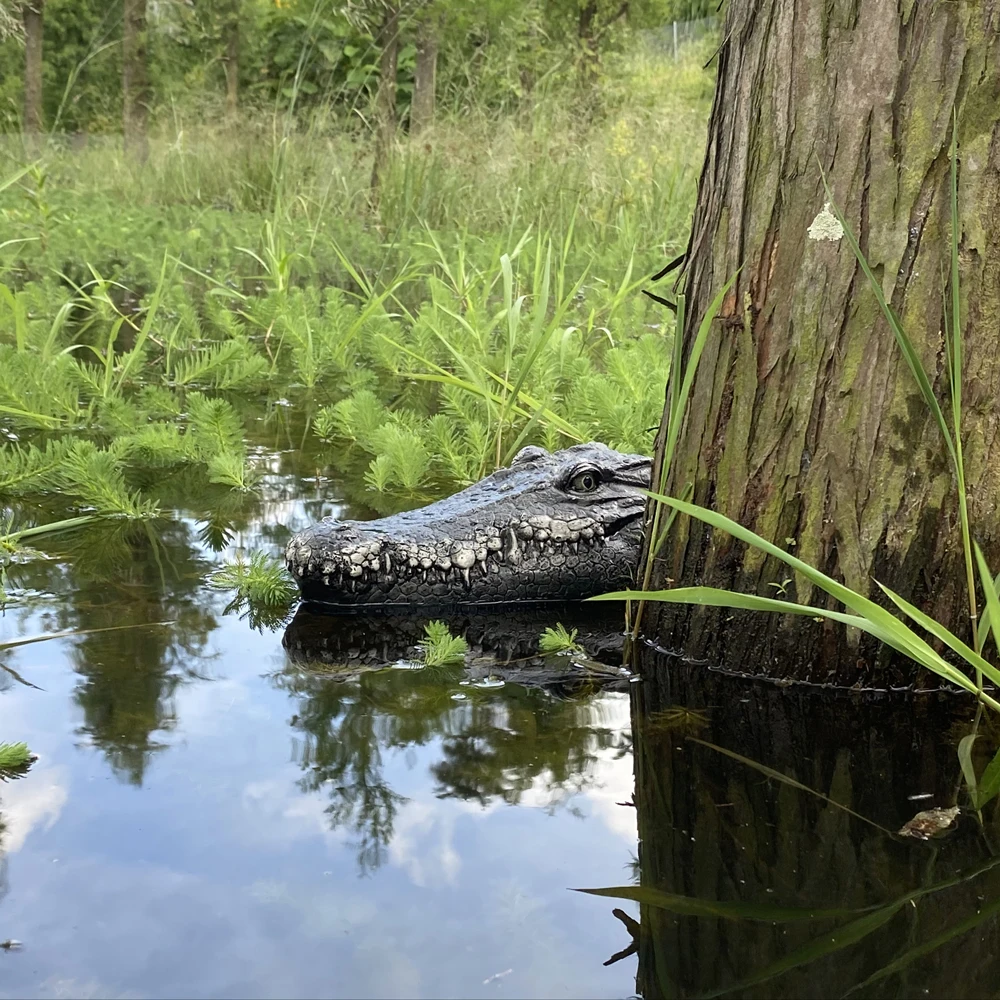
point(32, 13)
point(805, 423)
point(232, 59)
point(424, 78)
point(135, 80)
point(587, 38)
point(385, 98)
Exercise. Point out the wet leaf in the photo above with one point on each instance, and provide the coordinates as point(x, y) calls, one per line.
point(989, 787)
point(965, 759)
point(929, 823)
point(691, 906)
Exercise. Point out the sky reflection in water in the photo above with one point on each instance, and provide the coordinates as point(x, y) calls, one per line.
point(204, 821)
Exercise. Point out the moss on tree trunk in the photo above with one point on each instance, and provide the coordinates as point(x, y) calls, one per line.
point(805, 424)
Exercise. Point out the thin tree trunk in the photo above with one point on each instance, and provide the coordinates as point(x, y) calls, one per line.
point(135, 80)
point(424, 78)
point(232, 59)
point(32, 15)
point(385, 98)
point(805, 423)
point(587, 39)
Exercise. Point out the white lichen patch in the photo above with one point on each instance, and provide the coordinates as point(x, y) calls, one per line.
point(825, 226)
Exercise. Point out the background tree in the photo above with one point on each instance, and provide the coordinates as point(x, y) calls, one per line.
point(31, 14)
point(385, 97)
point(135, 80)
point(805, 423)
point(232, 57)
point(425, 72)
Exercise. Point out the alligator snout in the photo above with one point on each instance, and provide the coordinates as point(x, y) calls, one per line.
point(552, 527)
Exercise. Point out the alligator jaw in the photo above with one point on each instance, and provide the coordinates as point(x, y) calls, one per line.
point(519, 535)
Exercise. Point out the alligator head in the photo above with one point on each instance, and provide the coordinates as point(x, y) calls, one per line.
point(551, 527)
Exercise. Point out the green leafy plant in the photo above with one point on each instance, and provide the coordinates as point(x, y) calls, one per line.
point(440, 648)
point(557, 640)
point(259, 580)
point(14, 756)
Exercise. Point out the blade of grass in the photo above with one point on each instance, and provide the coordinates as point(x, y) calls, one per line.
point(73, 632)
point(691, 906)
point(785, 779)
point(826, 944)
point(918, 951)
point(895, 632)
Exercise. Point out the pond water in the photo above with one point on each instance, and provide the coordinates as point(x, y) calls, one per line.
point(224, 810)
point(213, 814)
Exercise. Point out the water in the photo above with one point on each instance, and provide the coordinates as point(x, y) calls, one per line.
point(220, 810)
point(213, 814)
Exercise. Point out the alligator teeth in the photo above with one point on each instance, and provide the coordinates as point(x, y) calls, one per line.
point(512, 551)
point(466, 578)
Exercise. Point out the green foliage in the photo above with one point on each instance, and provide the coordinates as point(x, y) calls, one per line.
point(14, 756)
point(261, 580)
point(440, 648)
point(558, 640)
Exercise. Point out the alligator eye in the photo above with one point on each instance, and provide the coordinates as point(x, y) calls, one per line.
point(584, 482)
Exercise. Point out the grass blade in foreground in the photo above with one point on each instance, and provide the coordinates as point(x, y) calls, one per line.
point(691, 906)
point(878, 621)
point(820, 947)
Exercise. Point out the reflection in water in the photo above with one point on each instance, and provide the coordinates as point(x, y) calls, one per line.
point(540, 733)
point(397, 759)
point(146, 574)
point(714, 828)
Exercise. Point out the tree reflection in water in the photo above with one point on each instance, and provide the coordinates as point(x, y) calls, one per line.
point(495, 744)
point(720, 833)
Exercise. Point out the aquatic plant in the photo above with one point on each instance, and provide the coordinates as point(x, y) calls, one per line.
point(557, 640)
point(440, 648)
point(14, 756)
point(260, 580)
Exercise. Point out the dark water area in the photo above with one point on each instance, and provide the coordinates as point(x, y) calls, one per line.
point(297, 809)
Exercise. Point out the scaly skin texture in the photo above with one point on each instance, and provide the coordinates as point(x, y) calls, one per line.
point(551, 527)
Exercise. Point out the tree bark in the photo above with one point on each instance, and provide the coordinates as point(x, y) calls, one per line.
point(135, 80)
point(232, 59)
point(385, 98)
point(587, 38)
point(805, 423)
point(32, 14)
point(424, 77)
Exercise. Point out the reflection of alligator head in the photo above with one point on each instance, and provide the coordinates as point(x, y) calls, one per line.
point(560, 526)
point(503, 646)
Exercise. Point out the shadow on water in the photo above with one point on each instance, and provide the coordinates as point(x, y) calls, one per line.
point(507, 719)
point(737, 861)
